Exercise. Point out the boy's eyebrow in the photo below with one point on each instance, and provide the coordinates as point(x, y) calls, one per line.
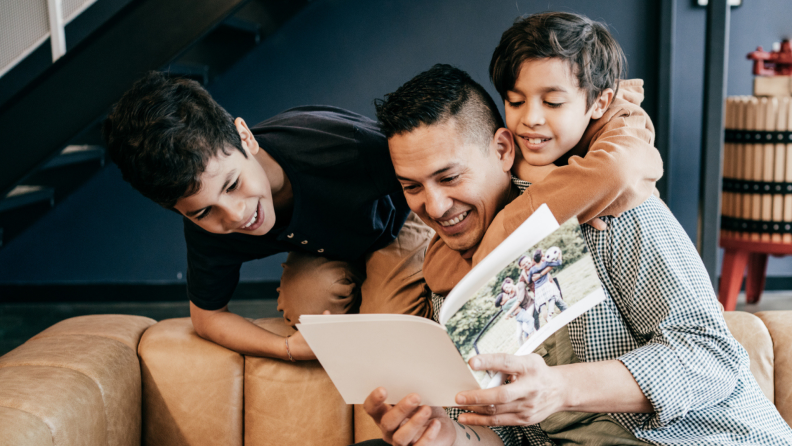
point(193, 213)
point(434, 174)
point(554, 88)
point(225, 185)
point(227, 180)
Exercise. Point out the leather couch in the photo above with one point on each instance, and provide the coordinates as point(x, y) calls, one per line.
point(126, 380)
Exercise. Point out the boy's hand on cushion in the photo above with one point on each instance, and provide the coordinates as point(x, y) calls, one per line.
point(299, 348)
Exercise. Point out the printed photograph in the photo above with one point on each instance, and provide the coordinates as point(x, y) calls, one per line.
point(546, 280)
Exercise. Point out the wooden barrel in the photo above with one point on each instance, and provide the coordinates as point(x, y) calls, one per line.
point(757, 169)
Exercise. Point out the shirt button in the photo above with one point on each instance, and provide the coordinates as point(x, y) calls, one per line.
point(320, 250)
point(304, 242)
point(290, 235)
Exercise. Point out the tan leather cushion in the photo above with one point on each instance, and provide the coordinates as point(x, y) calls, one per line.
point(120, 327)
point(752, 334)
point(365, 428)
point(292, 403)
point(779, 323)
point(192, 388)
point(67, 401)
point(23, 428)
point(58, 374)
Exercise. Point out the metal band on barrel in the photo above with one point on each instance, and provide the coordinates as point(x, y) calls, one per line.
point(758, 137)
point(756, 187)
point(756, 226)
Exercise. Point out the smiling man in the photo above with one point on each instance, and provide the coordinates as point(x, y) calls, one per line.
point(654, 363)
point(313, 181)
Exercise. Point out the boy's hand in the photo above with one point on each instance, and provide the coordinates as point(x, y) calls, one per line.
point(409, 423)
point(597, 224)
point(299, 348)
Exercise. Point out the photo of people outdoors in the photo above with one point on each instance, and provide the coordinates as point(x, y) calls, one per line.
point(546, 280)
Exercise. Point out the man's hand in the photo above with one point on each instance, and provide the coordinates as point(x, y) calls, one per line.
point(536, 391)
point(409, 423)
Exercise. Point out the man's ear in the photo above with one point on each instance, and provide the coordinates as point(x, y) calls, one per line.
point(503, 145)
point(248, 140)
point(602, 103)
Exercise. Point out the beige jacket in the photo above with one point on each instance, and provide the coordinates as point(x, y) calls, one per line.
point(612, 169)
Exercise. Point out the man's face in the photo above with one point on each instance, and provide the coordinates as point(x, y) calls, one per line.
point(546, 110)
point(235, 196)
point(451, 184)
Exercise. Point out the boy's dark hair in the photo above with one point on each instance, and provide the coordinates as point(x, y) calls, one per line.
point(596, 59)
point(436, 95)
point(537, 256)
point(163, 132)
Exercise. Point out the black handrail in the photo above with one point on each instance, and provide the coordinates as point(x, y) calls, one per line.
point(80, 87)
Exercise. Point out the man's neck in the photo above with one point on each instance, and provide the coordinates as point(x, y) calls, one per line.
point(511, 193)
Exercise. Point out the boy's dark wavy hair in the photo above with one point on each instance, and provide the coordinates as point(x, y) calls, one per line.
point(596, 59)
point(163, 132)
point(434, 96)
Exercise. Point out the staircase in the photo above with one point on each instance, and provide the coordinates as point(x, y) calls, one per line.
point(51, 126)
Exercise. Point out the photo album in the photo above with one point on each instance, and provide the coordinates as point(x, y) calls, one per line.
point(534, 283)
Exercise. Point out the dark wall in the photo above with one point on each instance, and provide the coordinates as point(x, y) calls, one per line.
point(756, 22)
point(346, 53)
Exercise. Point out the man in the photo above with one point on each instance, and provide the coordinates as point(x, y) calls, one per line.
point(657, 363)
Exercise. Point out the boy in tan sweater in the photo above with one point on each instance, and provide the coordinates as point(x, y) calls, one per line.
point(584, 142)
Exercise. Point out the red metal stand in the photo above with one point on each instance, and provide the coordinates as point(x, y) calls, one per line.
point(738, 254)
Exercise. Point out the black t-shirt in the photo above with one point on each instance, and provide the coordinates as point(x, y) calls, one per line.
point(347, 201)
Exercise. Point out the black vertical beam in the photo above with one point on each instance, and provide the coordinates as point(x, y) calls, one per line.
point(665, 89)
point(715, 66)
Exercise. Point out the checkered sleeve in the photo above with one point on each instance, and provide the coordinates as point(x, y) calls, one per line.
point(685, 359)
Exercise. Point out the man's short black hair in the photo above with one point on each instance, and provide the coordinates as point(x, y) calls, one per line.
point(435, 96)
point(163, 132)
point(596, 59)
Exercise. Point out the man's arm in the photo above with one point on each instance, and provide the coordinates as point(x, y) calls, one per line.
point(240, 335)
point(537, 391)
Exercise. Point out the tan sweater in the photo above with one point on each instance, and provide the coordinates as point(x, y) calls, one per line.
point(612, 169)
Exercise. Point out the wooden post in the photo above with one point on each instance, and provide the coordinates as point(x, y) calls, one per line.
point(728, 163)
point(758, 165)
point(768, 150)
point(739, 159)
point(778, 166)
point(788, 175)
point(750, 124)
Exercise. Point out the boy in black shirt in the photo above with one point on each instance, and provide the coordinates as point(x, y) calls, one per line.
point(313, 181)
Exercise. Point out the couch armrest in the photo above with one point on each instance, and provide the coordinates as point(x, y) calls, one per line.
point(779, 324)
point(752, 334)
point(77, 382)
point(292, 403)
point(192, 388)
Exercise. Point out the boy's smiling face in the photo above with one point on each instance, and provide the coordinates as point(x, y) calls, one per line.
point(235, 193)
point(546, 110)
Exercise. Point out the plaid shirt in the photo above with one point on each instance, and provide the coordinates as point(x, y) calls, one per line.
point(661, 319)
